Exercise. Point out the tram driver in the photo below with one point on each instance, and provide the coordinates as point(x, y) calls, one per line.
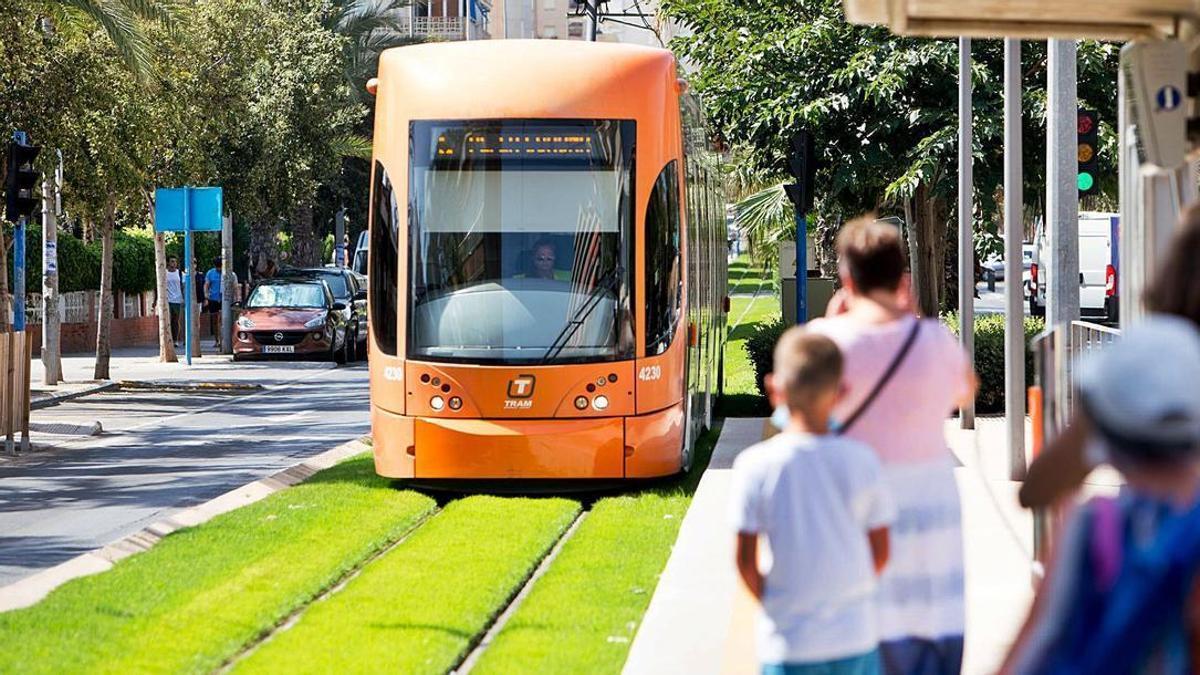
point(543, 260)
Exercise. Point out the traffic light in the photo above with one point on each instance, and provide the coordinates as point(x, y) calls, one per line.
point(1089, 151)
point(20, 181)
point(802, 163)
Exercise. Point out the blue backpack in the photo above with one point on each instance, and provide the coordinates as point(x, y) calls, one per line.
point(1128, 603)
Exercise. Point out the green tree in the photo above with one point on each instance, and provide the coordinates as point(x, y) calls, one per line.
point(883, 110)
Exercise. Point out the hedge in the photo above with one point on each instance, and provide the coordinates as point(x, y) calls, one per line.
point(79, 263)
point(989, 354)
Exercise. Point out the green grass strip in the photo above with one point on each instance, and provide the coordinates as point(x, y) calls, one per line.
point(581, 615)
point(194, 600)
point(420, 607)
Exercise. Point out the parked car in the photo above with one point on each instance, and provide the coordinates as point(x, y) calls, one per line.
point(291, 317)
point(350, 289)
point(994, 267)
point(1099, 264)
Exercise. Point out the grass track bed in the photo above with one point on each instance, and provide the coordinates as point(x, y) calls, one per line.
point(200, 595)
point(419, 608)
point(581, 615)
point(741, 393)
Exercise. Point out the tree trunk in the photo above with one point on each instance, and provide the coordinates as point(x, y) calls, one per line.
point(264, 246)
point(925, 263)
point(306, 249)
point(166, 339)
point(104, 321)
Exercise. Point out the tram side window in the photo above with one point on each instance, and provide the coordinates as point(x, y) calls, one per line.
point(385, 263)
point(663, 280)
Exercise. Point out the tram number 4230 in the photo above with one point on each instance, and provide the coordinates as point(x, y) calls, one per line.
point(648, 373)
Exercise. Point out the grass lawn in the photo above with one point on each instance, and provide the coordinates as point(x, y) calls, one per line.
point(746, 313)
point(581, 615)
point(201, 594)
point(419, 608)
point(746, 277)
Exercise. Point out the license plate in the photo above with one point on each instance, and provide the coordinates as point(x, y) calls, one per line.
point(278, 349)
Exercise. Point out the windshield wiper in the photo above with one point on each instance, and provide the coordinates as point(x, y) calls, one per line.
point(608, 283)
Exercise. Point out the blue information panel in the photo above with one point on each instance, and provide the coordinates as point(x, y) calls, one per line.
point(188, 208)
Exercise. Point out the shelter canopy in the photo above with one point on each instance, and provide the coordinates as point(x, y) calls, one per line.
point(1031, 19)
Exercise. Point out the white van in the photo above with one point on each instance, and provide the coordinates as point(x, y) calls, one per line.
point(1099, 263)
point(359, 262)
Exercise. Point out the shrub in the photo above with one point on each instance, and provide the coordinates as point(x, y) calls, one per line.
point(989, 356)
point(761, 348)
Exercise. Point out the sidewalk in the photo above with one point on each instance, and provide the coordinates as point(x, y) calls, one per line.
point(701, 621)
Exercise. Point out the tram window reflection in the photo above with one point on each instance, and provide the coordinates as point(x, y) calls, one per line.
point(517, 260)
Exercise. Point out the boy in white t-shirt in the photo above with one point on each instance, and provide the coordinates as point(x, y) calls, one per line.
point(818, 505)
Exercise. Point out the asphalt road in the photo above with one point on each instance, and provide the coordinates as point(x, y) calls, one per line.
point(165, 451)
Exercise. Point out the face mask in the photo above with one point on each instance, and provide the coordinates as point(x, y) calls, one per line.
point(779, 418)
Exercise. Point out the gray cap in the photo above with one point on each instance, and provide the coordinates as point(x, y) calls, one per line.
point(1143, 392)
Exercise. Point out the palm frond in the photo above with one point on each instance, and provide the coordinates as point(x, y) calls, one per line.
point(351, 145)
point(766, 216)
point(159, 11)
point(121, 26)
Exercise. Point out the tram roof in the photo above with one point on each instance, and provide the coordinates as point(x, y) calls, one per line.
point(1032, 19)
point(501, 78)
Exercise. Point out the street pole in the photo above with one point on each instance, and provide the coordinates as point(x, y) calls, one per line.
point(228, 292)
point(339, 238)
point(1014, 268)
point(1062, 189)
point(592, 9)
point(801, 267)
point(189, 295)
point(966, 217)
point(51, 363)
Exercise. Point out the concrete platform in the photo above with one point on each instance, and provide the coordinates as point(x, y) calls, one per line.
point(700, 619)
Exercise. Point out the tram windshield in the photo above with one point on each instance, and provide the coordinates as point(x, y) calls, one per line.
point(520, 235)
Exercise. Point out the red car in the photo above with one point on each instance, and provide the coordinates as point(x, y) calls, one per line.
point(290, 317)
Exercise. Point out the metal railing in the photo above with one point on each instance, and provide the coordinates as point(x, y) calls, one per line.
point(1056, 352)
point(448, 27)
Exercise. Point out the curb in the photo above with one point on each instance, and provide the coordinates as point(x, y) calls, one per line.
point(55, 399)
point(168, 385)
point(32, 589)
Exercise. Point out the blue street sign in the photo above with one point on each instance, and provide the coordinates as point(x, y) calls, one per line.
point(188, 209)
point(1169, 98)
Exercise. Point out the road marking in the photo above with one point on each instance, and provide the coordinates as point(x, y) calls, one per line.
point(222, 404)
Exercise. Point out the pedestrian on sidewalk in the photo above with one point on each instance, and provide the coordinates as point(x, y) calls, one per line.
point(1122, 594)
point(212, 300)
point(175, 297)
point(903, 378)
point(821, 505)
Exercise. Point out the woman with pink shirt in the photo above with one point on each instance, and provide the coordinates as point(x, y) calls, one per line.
point(903, 377)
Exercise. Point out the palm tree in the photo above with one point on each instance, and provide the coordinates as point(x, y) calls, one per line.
point(371, 26)
point(120, 19)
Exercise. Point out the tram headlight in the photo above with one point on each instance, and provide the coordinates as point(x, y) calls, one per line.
point(600, 402)
point(437, 403)
point(581, 403)
point(455, 403)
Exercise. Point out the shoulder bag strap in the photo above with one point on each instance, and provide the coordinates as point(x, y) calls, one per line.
point(887, 376)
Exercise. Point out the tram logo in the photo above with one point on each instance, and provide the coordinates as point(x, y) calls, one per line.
point(521, 386)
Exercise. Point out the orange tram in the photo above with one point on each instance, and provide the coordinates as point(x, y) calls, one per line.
point(547, 263)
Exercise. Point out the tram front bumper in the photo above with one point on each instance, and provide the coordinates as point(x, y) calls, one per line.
point(473, 449)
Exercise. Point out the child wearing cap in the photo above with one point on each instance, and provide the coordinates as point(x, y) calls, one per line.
point(1121, 595)
point(818, 503)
